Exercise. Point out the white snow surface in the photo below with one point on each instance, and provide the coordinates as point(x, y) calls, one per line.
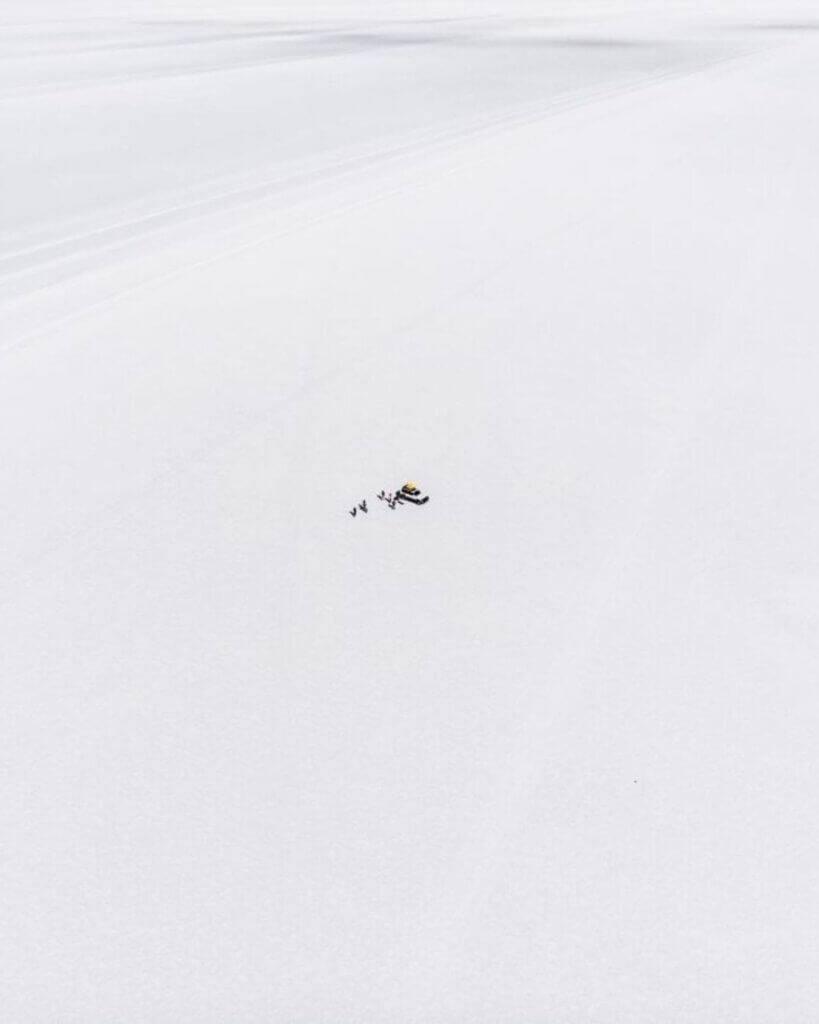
point(543, 751)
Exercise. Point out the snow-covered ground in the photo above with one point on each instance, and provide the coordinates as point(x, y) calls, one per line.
point(544, 750)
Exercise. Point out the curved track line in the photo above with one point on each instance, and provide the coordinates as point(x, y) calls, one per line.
point(424, 143)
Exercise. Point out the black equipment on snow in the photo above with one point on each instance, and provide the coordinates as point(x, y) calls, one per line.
point(410, 492)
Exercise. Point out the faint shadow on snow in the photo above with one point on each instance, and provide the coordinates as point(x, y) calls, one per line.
point(768, 26)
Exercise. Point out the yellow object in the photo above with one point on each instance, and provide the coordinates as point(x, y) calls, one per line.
point(410, 486)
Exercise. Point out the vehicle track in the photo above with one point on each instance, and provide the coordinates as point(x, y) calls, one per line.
point(30, 268)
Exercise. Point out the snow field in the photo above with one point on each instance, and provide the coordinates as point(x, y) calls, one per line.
point(542, 749)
